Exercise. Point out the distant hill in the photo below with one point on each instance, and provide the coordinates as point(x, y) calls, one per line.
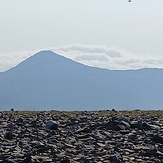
point(50, 81)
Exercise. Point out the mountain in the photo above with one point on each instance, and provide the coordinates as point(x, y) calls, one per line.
point(50, 81)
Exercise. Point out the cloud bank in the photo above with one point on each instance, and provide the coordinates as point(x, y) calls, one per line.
point(9, 60)
point(111, 58)
point(108, 57)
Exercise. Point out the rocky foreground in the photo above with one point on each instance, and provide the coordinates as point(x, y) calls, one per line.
point(81, 137)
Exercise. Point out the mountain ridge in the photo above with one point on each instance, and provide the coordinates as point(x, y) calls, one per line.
point(49, 81)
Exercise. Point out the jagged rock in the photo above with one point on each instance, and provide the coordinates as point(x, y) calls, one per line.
point(118, 124)
point(28, 159)
point(136, 124)
point(80, 137)
point(113, 110)
point(157, 138)
point(1, 115)
point(84, 160)
point(52, 125)
point(115, 158)
point(132, 136)
point(65, 160)
point(155, 127)
point(12, 109)
point(8, 135)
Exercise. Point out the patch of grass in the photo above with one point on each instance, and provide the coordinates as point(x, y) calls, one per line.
point(100, 113)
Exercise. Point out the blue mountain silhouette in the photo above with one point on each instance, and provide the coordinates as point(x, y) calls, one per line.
point(50, 81)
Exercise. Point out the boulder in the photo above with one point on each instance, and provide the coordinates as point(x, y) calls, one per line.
point(52, 125)
point(8, 135)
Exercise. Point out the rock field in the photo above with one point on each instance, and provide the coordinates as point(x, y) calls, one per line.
point(81, 137)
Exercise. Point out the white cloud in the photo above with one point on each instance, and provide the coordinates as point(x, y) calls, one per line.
point(108, 57)
point(99, 56)
point(8, 60)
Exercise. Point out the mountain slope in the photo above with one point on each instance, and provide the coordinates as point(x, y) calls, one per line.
point(49, 81)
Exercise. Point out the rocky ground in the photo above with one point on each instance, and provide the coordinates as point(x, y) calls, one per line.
point(81, 137)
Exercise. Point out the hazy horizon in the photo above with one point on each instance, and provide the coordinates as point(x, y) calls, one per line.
point(108, 34)
point(24, 58)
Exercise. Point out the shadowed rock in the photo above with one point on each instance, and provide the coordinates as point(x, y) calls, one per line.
point(80, 137)
point(52, 125)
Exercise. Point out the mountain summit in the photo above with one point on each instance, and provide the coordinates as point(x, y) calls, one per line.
point(50, 81)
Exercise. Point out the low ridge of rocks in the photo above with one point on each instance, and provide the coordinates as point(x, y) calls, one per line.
point(81, 137)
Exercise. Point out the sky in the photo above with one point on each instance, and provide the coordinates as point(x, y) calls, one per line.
point(113, 34)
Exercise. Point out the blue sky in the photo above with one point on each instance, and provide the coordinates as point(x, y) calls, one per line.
point(114, 34)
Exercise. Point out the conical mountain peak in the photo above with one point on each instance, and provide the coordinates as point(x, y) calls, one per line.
point(46, 61)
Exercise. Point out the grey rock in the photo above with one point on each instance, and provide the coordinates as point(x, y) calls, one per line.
point(80, 137)
point(157, 138)
point(9, 135)
point(52, 125)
